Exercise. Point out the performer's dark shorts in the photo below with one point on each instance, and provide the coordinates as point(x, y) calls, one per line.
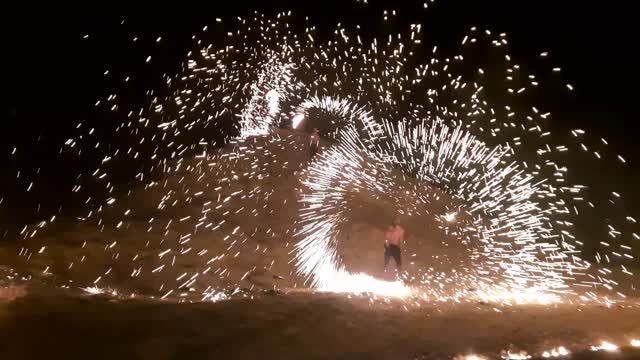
point(392, 251)
point(313, 150)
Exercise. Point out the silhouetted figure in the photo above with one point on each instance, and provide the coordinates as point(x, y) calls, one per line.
point(314, 143)
point(393, 238)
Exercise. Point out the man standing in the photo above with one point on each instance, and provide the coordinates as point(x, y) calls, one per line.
point(393, 238)
point(314, 143)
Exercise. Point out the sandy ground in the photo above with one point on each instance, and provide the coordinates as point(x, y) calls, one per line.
point(299, 326)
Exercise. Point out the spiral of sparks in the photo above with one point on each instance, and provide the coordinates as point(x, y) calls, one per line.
point(499, 197)
point(427, 120)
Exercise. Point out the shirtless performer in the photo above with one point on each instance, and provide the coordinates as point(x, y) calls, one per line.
point(393, 237)
point(314, 143)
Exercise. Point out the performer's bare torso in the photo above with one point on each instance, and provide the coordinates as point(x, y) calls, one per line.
point(394, 235)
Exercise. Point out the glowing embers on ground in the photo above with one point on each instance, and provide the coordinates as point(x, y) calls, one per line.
point(556, 352)
point(361, 283)
point(516, 356)
point(470, 357)
point(606, 346)
point(495, 294)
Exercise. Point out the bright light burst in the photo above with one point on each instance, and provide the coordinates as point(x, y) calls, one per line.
point(517, 356)
point(560, 351)
point(606, 346)
point(450, 217)
point(362, 283)
point(93, 290)
point(470, 357)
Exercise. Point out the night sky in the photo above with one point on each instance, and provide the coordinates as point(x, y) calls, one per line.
point(55, 75)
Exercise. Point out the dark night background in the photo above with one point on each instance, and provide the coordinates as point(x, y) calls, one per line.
point(54, 77)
